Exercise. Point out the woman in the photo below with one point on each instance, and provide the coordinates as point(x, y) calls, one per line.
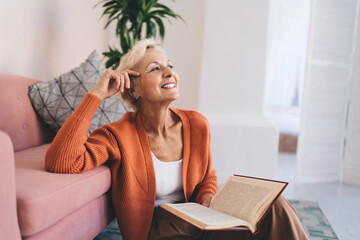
point(156, 154)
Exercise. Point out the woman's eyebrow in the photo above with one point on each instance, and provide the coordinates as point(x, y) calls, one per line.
point(156, 62)
point(152, 63)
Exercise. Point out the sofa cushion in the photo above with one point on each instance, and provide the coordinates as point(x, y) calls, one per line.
point(44, 198)
point(85, 223)
point(18, 118)
point(55, 100)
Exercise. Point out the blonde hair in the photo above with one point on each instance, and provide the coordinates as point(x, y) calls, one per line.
point(129, 61)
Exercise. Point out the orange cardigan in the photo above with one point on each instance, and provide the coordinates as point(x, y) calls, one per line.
point(125, 147)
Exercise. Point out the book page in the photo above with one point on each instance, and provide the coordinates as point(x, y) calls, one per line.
point(205, 215)
point(243, 197)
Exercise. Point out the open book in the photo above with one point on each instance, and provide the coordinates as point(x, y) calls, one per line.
point(242, 202)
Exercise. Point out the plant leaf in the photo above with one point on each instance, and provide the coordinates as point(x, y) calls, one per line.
point(131, 16)
point(109, 3)
point(160, 26)
point(150, 29)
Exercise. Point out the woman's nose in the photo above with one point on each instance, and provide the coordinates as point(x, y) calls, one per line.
point(169, 73)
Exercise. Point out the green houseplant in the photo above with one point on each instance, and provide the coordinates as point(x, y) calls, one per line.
point(134, 19)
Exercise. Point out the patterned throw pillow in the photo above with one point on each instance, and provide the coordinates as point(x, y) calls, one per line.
point(55, 100)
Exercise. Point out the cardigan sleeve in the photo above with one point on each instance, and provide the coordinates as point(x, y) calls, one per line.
point(209, 184)
point(72, 151)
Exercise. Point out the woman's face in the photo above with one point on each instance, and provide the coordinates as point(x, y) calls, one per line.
point(158, 81)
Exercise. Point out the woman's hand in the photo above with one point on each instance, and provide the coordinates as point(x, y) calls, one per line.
point(206, 201)
point(112, 82)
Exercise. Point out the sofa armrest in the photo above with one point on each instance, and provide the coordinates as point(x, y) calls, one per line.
point(9, 228)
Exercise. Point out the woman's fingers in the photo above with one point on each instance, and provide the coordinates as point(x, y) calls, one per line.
point(112, 82)
point(128, 73)
point(132, 72)
point(206, 201)
point(118, 82)
point(122, 81)
point(127, 80)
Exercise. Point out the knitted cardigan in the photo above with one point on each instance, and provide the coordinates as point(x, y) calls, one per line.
point(124, 146)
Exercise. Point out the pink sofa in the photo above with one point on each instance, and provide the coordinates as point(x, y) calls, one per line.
point(36, 204)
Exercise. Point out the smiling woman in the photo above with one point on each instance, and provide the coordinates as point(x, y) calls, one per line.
point(157, 154)
point(156, 73)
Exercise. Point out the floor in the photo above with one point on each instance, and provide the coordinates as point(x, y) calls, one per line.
point(339, 202)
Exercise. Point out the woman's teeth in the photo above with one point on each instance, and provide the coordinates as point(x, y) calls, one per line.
point(170, 85)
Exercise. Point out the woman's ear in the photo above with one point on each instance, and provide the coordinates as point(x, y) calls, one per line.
point(132, 92)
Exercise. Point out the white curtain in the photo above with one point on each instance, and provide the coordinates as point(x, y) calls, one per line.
point(288, 27)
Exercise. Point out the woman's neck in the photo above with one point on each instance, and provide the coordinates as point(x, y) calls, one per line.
point(156, 119)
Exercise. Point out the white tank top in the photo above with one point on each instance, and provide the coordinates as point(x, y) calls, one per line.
point(169, 187)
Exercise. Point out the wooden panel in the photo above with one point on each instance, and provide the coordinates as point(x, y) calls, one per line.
point(352, 148)
point(321, 137)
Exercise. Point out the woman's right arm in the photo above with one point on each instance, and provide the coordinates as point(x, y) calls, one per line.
point(71, 150)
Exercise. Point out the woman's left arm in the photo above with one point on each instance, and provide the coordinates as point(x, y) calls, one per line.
point(207, 188)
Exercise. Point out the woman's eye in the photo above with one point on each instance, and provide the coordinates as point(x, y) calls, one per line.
point(155, 68)
point(171, 66)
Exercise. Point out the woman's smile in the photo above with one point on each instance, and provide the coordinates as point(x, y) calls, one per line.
point(169, 85)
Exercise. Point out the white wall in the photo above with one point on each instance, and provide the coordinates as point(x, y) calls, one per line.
point(232, 87)
point(234, 57)
point(42, 39)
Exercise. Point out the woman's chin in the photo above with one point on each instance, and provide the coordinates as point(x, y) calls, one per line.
point(173, 95)
point(173, 98)
point(176, 96)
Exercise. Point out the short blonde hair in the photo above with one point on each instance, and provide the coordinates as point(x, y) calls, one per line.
point(130, 61)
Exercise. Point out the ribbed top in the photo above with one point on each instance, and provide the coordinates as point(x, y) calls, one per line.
point(169, 186)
